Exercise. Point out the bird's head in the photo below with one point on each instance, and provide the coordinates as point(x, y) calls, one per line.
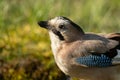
point(62, 28)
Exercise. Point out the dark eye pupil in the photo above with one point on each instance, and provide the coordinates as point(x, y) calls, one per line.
point(61, 26)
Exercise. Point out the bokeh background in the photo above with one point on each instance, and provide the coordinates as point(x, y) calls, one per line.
point(25, 52)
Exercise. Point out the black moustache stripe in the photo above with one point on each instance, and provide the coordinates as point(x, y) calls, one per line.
point(58, 34)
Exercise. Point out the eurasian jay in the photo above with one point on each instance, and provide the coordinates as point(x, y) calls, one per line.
point(87, 56)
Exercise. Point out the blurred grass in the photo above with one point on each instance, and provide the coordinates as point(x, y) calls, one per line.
point(23, 43)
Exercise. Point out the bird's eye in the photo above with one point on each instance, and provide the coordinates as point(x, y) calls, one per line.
point(62, 26)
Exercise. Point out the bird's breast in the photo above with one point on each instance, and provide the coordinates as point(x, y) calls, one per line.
point(62, 65)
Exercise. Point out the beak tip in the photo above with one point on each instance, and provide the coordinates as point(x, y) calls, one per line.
point(39, 23)
point(42, 24)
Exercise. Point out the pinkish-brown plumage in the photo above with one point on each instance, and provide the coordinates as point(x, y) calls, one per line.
point(70, 43)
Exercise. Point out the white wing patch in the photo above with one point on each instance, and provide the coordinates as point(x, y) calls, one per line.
point(118, 52)
point(116, 59)
point(118, 55)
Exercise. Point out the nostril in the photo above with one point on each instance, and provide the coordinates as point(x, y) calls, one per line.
point(42, 24)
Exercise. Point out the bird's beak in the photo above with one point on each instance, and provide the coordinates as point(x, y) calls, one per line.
point(43, 24)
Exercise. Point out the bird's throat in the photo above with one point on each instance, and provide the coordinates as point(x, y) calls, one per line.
point(55, 42)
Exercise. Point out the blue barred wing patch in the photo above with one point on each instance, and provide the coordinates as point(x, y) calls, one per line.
point(95, 60)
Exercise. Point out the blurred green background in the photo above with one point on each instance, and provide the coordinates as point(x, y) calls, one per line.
point(25, 52)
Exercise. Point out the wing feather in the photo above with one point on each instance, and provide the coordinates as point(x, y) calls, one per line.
point(96, 49)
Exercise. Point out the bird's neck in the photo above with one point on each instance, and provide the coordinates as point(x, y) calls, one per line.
point(55, 42)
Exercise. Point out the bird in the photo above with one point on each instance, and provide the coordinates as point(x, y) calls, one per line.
point(84, 55)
